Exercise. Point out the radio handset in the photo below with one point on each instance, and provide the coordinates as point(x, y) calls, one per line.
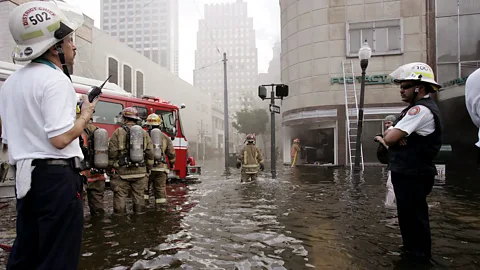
point(95, 92)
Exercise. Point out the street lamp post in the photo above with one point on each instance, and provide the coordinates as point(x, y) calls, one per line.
point(364, 54)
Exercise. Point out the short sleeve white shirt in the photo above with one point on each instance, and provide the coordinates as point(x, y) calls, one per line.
point(472, 96)
point(37, 103)
point(418, 119)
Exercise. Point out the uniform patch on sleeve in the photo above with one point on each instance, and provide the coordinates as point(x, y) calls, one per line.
point(414, 110)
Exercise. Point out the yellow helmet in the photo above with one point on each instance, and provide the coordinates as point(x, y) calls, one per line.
point(154, 120)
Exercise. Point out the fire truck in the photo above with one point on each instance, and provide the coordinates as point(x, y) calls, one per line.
point(114, 99)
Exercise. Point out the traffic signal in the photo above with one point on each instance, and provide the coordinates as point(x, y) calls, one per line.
point(281, 90)
point(262, 92)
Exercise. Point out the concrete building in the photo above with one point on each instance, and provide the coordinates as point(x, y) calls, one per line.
point(100, 55)
point(227, 28)
point(317, 38)
point(150, 28)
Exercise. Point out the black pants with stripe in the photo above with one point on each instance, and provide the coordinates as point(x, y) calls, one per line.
point(411, 192)
point(49, 221)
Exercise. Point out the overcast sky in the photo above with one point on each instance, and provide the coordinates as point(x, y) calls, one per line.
point(266, 21)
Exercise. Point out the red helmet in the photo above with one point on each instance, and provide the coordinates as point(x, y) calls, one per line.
point(131, 113)
point(251, 138)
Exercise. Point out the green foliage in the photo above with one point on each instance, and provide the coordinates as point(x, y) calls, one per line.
point(251, 121)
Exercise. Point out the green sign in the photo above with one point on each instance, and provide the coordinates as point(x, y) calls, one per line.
point(374, 79)
point(458, 81)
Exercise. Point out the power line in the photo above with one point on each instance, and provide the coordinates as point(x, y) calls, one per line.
point(209, 65)
point(121, 21)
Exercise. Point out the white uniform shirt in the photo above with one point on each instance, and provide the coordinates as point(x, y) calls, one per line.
point(472, 99)
point(418, 119)
point(37, 102)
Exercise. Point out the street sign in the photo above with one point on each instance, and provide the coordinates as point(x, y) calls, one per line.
point(274, 108)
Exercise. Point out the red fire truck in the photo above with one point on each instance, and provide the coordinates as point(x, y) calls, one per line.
point(114, 99)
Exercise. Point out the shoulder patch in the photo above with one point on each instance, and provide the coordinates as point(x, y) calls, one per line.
point(414, 110)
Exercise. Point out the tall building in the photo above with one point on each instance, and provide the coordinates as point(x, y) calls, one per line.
point(149, 27)
point(227, 28)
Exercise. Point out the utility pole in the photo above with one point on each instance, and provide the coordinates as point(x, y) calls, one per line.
point(225, 113)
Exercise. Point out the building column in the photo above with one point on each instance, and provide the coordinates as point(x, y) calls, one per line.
point(341, 135)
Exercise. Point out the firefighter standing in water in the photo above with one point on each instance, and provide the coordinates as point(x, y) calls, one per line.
point(130, 153)
point(414, 141)
point(94, 177)
point(250, 159)
point(295, 151)
point(162, 147)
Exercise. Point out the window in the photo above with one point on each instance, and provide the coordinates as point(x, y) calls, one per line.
point(107, 112)
point(139, 83)
point(113, 70)
point(167, 120)
point(142, 112)
point(127, 78)
point(155, 56)
point(384, 37)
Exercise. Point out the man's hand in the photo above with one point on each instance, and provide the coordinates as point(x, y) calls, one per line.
point(238, 165)
point(87, 107)
point(402, 142)
point(262, 167)
point(378, 138)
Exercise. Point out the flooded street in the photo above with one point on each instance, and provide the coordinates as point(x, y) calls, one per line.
point(307, 218)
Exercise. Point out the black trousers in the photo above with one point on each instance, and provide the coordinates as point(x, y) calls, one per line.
point(411, 193)
point(49, 221)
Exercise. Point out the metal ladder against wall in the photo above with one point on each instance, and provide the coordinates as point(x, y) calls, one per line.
point(351, 111)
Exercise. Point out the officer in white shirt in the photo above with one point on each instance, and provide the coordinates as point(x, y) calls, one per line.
point(37, 107)
point(472, 99)
point(414, 141)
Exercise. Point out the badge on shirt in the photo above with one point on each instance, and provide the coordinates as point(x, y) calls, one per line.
point(414, 110)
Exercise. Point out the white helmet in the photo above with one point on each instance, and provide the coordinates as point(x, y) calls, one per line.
point(38, 25)
point(415, 72)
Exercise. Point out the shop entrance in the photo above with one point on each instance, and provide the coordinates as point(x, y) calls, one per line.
point(320, 146)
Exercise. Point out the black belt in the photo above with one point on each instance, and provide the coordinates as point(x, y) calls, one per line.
point(53, 162)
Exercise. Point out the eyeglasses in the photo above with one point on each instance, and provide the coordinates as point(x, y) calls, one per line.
point(407, 86)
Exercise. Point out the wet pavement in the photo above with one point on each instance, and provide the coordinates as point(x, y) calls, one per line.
point(307, 218)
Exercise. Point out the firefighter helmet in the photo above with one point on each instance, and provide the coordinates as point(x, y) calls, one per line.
point(297, 140)
point(154, 120)
point(130, 113)
point(390, 118)
point(38, 25)
point(251, 138)
point(416, 71)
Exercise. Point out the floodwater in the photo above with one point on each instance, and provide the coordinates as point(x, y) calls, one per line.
point(308, 218)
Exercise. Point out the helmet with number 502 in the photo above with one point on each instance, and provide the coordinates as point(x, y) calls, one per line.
point(38, 25)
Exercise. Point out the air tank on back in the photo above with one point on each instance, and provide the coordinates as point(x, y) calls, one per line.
point(136, 144)
point(156, 136)
point(100, 147)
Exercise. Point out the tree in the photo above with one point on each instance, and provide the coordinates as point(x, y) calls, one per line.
point(251, 121)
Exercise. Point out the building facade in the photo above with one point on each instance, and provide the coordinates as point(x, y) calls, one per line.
point(227, 28)
point(457, 50)
point(150, 28)
point(321, 39)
